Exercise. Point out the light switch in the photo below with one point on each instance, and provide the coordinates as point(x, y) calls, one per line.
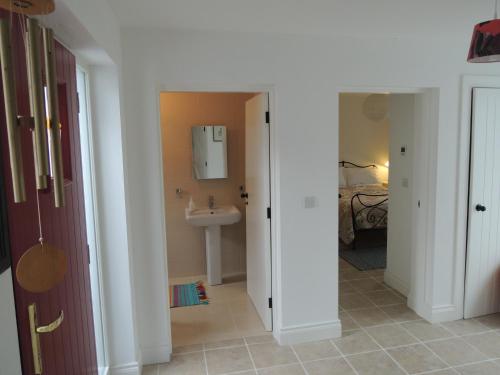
point(310, 202)
point(404, 182)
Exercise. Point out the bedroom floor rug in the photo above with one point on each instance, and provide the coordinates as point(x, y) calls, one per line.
point(188, 295)
point(365, 259)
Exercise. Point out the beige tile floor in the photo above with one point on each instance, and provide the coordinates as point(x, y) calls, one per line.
point(229, 315)
point(381, 336)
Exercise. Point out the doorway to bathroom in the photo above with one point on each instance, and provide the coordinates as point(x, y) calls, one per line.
point(217, 194)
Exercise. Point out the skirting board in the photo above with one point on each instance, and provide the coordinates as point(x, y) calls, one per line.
point(445, 313)
point(157, 354)
point(396, 283)
point(309, 332)
point(436, 314)
point(129, 369)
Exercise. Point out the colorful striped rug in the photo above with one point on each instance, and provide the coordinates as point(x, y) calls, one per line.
point(188, 295)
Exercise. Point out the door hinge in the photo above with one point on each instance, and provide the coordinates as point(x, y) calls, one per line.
point(268, 121)
point(88, 252)
point(270, 301)
point(269, 212)
point(78, 102)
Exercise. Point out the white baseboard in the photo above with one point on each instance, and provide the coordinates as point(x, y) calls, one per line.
point(309, 332)
point(444, 313)
point(396, 283)
point(434, 314)
point(234, 275)
point(129, 369)
point(157, 354)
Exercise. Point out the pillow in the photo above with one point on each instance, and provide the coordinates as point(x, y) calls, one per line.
point(361, 176)
point(342, 180)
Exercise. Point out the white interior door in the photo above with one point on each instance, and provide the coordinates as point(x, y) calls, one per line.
point(259, 201)
point(482, 288)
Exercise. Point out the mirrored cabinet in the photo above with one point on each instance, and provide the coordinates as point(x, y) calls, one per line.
point(209, 152)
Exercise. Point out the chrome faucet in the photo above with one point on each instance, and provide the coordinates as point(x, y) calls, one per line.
point(211, 201)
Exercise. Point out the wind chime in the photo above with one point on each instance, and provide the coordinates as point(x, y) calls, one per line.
point(42, 266)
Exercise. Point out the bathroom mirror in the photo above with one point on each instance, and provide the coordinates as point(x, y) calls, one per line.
point(209, 152)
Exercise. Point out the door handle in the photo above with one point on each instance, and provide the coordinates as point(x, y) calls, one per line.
point(52, 326)
point(35, 331)
point(244, 195)
point(480, 207)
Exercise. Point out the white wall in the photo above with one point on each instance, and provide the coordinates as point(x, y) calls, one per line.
point(362, 139)
point(116, 263)
point(307, 73)
point(89, 28)
point(399, 228)
point(10, 360)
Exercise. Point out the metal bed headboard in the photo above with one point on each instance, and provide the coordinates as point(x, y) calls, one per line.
point(344, 163)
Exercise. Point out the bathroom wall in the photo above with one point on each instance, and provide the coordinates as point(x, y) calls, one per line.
point(186, 244)
point(363, 129)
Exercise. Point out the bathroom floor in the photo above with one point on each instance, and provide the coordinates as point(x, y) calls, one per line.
point(381, 336)
point(229, 315)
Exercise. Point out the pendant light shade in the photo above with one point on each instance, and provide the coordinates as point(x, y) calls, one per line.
point(485, 44)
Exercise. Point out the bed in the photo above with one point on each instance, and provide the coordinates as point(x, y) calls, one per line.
point(363, 201)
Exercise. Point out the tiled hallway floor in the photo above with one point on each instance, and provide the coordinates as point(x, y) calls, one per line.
point(381, 336)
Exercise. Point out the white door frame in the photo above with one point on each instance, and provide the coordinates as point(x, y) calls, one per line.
point(468, 83)
point(420, 297)
point(96, 271)
point(274, 173)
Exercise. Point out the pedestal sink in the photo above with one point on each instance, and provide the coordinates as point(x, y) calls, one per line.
point(212, 219)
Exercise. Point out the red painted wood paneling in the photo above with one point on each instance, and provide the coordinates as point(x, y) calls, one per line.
point(70, 349)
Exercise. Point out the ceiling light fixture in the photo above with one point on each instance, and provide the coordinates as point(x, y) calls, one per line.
point(485, 44)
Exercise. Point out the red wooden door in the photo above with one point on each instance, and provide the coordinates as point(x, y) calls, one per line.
point(71, 348)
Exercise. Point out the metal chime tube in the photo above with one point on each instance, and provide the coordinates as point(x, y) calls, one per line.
point(9, 92)
point(53, 110)
point(37, 101)
point(41, 180)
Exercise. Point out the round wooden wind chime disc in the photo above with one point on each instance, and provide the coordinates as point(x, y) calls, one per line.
point(41, 268)
point(31, 7)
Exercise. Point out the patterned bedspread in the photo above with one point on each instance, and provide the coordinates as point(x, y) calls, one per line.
point(369, 218)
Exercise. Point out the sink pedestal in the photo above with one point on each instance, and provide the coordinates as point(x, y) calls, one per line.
point(212, 219)
point(214, 254)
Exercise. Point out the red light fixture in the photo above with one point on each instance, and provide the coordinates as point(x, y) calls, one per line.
point(485, 44)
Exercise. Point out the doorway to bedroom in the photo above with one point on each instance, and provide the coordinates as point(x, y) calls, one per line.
point(376, 183)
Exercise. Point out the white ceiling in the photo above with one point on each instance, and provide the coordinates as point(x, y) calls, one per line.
point(319, 17)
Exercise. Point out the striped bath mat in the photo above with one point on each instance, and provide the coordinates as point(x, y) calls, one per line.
point(188, 295)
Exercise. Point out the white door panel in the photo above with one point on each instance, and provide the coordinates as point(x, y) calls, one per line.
point(258, 189)
point(482, 289)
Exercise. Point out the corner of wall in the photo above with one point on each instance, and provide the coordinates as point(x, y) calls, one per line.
point(396, 283)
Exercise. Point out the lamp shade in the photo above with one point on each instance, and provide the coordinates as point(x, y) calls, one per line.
point(485, 44)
